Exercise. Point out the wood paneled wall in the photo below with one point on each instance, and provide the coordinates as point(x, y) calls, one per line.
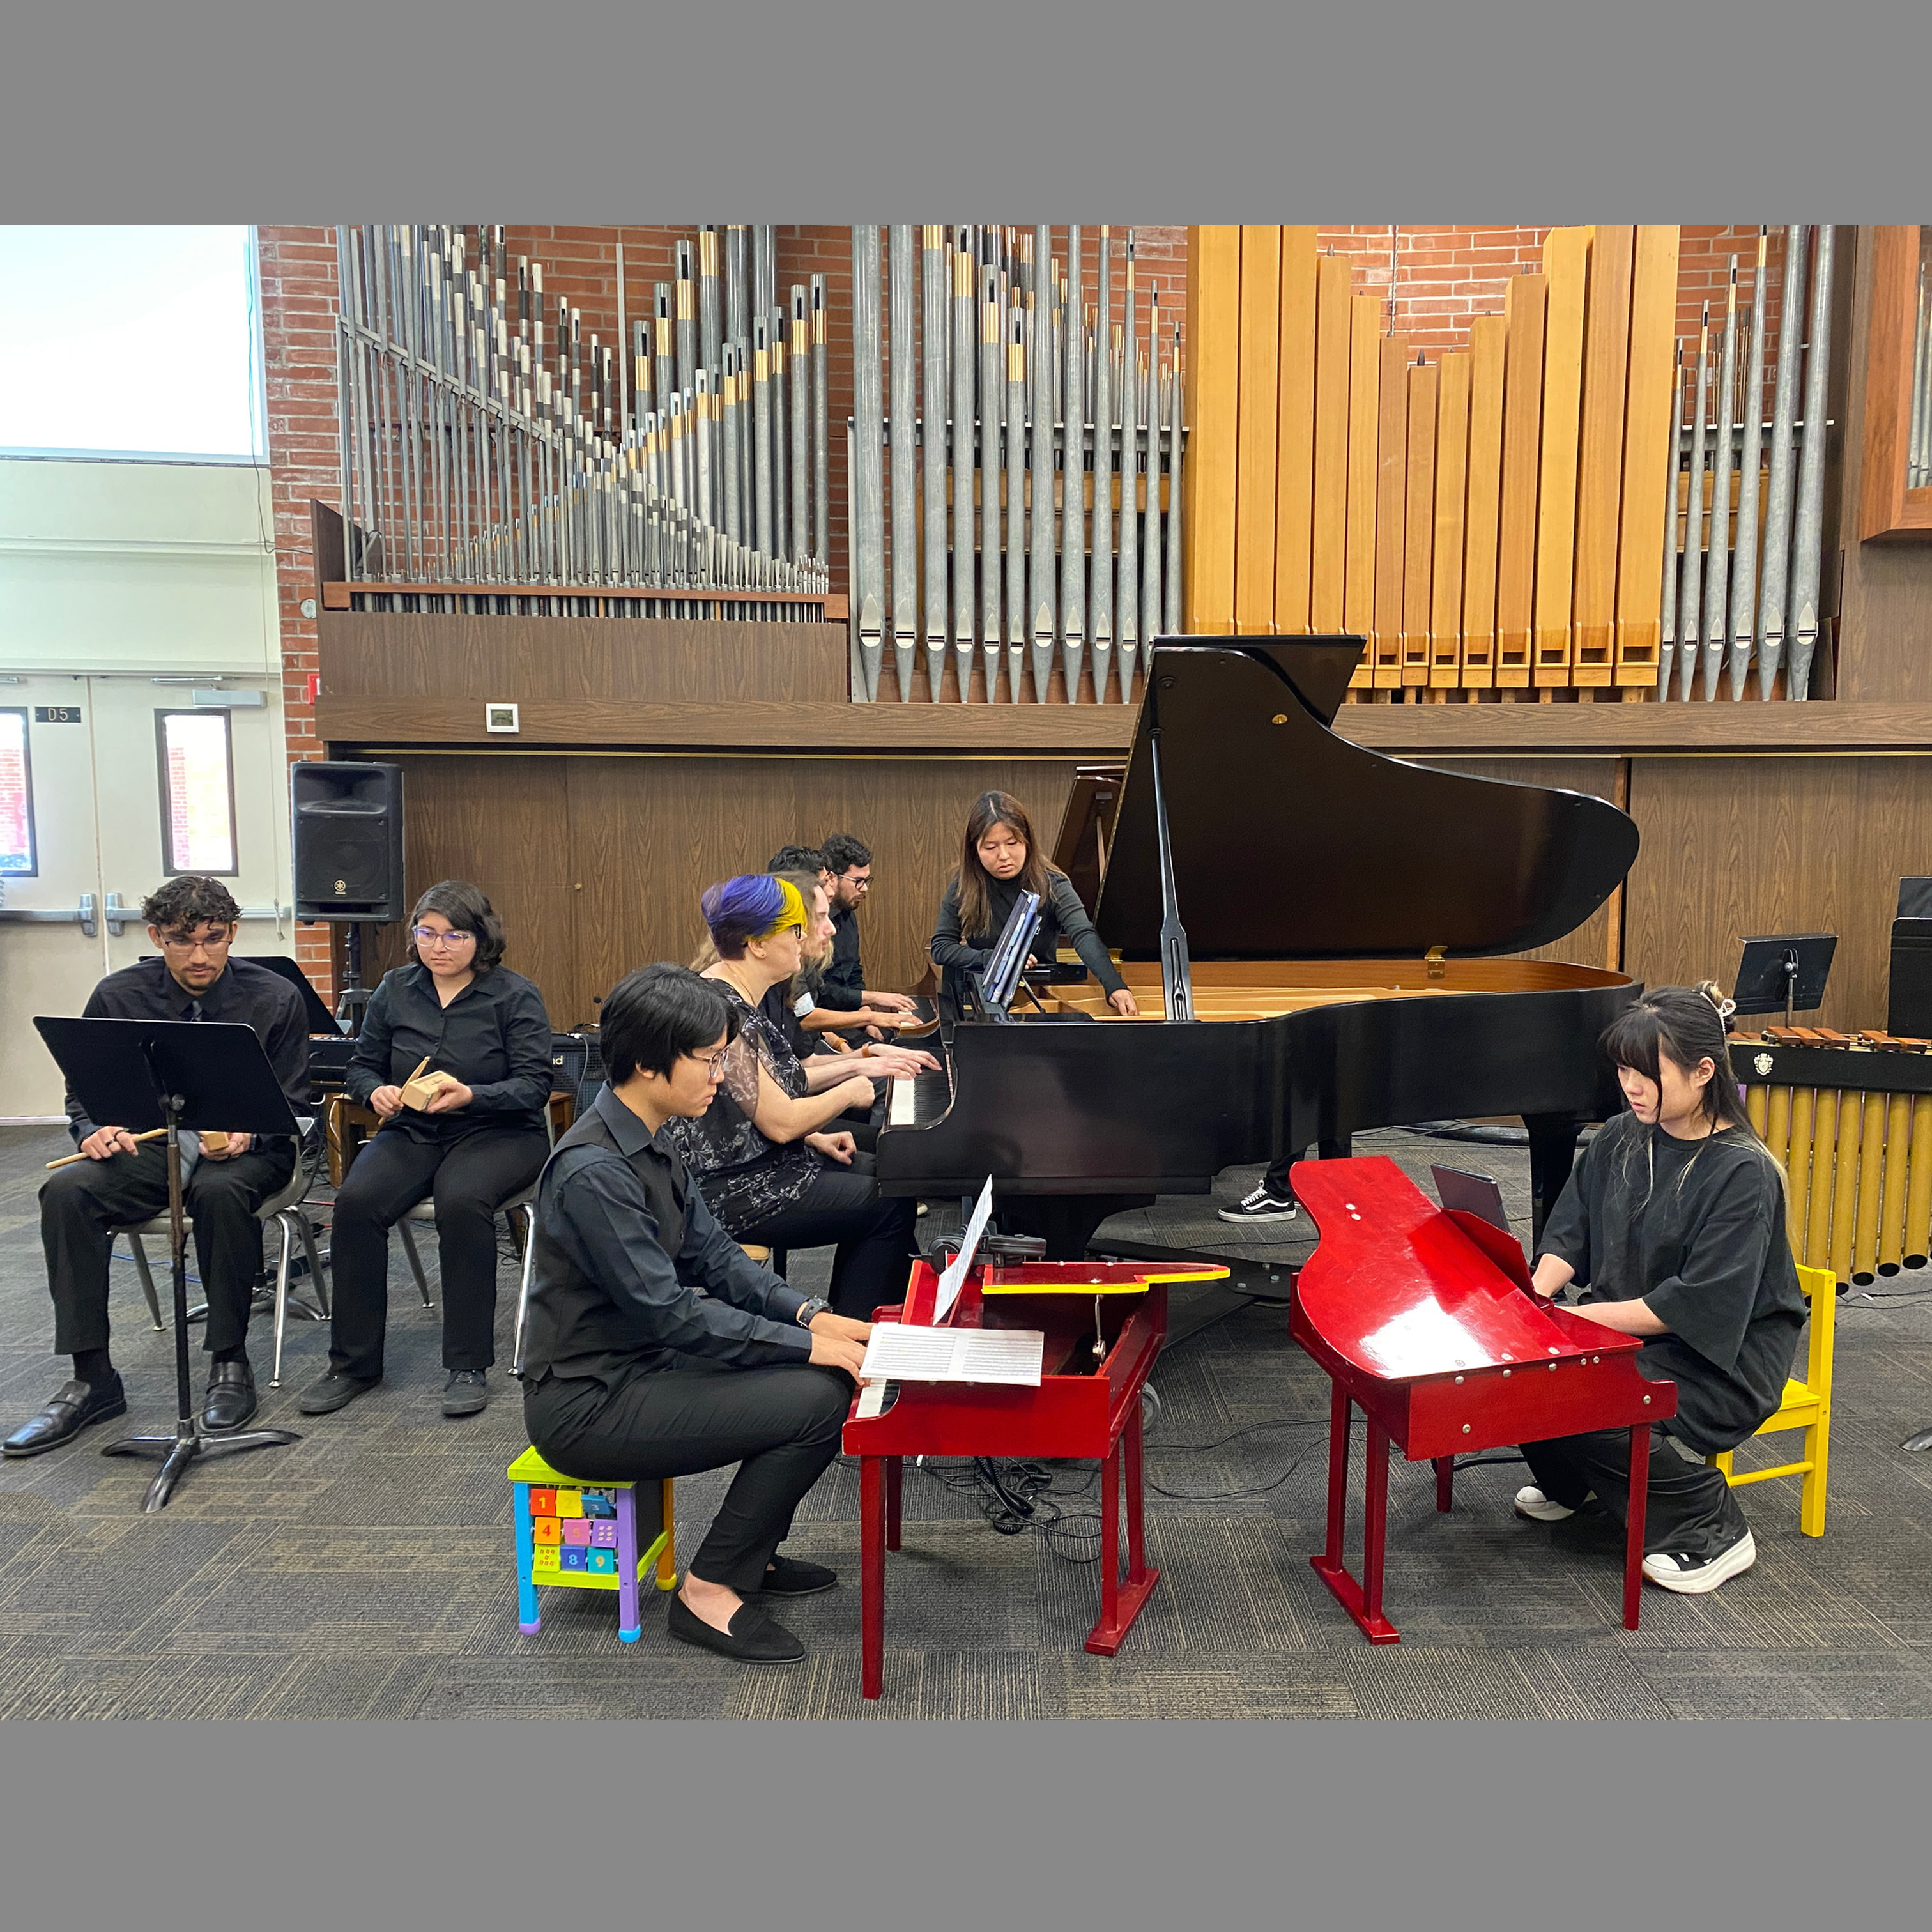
point(595, 861)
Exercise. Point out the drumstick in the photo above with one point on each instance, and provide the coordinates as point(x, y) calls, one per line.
point(68, 1160)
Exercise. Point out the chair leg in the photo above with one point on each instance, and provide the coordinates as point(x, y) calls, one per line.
point(530, 1246)
point(1811, 1501)
point(403, 1229)
point(281, 1294)
point(147, 1280)
point(314, 1254)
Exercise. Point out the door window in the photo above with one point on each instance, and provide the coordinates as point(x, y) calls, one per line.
point(197, 792)
point(18, 858)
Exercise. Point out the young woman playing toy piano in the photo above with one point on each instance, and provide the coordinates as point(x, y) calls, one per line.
point(1673, 1224)
point(999, 859)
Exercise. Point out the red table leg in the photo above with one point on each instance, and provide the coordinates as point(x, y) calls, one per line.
point(1445, 1481)
point(895, 1474)
point(1633, 1514)
point(871, 1574)
point(1375, 1528)
point(1330, 1566)
point(1339, 1410)
point(1137, 1569)
point(1121, 1602)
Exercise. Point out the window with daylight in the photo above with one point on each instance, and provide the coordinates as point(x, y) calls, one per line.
point(197, 792)
point(134, 342)
point(17, 855)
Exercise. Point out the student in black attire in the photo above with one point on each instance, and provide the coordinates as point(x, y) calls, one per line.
point(192, 920)
point(848, 866)
point(999, 859)
point(481, 1142)
point(655, 1348)
point(1673, 1222)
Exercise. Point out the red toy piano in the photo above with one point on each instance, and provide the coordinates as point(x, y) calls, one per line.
point(1424, 1317)
point(1103, 1322)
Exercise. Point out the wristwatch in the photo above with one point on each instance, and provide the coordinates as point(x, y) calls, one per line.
point(813, 1304)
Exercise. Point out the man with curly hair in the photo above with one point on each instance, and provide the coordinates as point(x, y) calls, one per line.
point(192, 920)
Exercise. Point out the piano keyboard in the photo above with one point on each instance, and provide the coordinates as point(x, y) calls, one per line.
point(920, 1100)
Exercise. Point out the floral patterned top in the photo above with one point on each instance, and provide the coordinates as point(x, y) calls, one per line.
point(746, 1179)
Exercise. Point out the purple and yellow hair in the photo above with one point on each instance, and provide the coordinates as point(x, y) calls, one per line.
point(754, 905)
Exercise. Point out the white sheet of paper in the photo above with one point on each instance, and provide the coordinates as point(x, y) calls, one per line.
point(951, 1281)
point(902, 1354)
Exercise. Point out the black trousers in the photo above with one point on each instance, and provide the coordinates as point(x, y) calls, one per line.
point(469, 1179)
point(781, 1425)
point(81, 1204)
point(874, 1237)
point(1688, 1506)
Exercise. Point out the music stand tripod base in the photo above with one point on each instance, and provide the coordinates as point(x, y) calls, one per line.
point(1923, 1440)
point(187, 1443)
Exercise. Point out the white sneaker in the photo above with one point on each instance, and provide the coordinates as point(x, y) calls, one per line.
point(1259, 1205)
point(1692, 1575)
point(1532, 1503)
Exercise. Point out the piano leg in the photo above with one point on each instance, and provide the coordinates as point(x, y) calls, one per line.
point(1375, 1532)
point(1445, 1482)
point(871, 1573)
point(1552, 1153)
point(1633, 1514)
point(1138, 1572)
point(1363, 1605)
point(895, 1476)
point(1121, 1602)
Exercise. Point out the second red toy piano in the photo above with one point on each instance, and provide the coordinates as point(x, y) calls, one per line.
point(1103, 1323)
point(1425, 1317)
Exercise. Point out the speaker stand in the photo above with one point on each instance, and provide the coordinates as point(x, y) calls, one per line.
point(355, 997)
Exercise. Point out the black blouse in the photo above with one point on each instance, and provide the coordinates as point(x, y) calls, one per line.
point(1060, 911)
point(1695, 1231)
point(494, 1036)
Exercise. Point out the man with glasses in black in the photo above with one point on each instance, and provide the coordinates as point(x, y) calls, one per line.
point(849, 862)
point(193, 921)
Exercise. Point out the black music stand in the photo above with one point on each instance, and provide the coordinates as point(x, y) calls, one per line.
point(1788, 971)
point(142, 1074)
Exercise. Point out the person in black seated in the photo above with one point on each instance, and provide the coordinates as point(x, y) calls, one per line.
point(999, 859)
point(193, 919)
point(655, 1347)
point(480, 1142)
point(1673, 1224)
point(848, 867)
point(775, 1169)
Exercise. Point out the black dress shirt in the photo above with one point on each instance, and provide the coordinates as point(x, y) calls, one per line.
point(494, 1036)
point(631, 1271)
point(246, 995)
point(1061, 912)
point(844, 986)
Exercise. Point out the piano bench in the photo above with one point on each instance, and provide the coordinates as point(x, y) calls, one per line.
point(604, 1560)
point(1807, 1405)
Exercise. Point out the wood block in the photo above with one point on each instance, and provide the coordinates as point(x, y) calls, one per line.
point(425, 1087)
point(1294, 434)
point(1524, 308)
point(1566, 256)
point(1452, 455)
point(213, 1140)
point(1328, 558)
point(1488, 341)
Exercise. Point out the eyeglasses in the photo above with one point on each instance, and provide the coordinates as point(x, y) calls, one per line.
point(179, 942)
point(857, 885)
point(424, 936)
point(713, 1063)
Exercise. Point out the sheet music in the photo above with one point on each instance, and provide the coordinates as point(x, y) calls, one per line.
point(900, 1353)
point(955, 1276)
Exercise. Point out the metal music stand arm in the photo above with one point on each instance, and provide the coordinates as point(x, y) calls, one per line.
point(140, 1074)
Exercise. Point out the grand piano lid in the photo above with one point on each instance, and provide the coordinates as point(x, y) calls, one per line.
point(1290, 842)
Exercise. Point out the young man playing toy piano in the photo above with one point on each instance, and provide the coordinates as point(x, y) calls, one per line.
point(656, 1348)
point(1674, 1222)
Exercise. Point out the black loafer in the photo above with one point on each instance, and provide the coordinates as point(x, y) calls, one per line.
point(335, 1390)
point(466, 1393)
point(78, 1406)
point(753, 1637)
point(788, 1576)
point(230, 1400)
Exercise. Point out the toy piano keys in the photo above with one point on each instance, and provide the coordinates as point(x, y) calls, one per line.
point(1087, 1404)
point(1425, 1318)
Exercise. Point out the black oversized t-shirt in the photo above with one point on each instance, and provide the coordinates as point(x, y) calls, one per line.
point(1696, 1230)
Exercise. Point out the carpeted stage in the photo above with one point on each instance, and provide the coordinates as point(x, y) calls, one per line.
point(367, 1570)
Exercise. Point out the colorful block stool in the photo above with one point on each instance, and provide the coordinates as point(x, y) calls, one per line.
point(558, 1550)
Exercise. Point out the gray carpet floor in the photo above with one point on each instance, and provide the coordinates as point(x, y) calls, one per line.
point(367, 1570)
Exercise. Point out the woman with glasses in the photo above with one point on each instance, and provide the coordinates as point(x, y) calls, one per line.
point(773, 1166)
point(479, 1142)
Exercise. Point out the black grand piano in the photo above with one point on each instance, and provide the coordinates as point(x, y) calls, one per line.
point(1342, 913)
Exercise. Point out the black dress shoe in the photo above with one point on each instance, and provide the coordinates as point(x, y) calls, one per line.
point(788, 1576)
point(78, 1406)
point(752, 1638)
point(335, 1390)
point(230, 1400)
point(466, 1393)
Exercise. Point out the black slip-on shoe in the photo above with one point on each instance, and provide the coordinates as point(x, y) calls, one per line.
point(752, 1638)
point(79, 1406)
point(230, 1400)
point(790, 1576)
point(335, 1390)
point(466, 1393)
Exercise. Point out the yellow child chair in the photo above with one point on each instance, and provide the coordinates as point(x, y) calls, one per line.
point(1807, 1405)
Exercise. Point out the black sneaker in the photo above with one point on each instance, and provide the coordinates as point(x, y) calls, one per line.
point(788, 1576)
point(466, 1393)
point(335, 1390)
point(1260, 1206)
point(752, 1638)
point(1692, 1575)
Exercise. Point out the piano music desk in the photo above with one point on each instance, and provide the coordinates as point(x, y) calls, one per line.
point(1425, 1318)
point(1084, 1406)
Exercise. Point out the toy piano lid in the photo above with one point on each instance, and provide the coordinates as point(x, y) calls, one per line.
point(1404, 1290)
point(1092, 1278)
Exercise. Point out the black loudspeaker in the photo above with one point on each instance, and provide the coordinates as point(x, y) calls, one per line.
point(349, 841)
point(1909, 1009)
